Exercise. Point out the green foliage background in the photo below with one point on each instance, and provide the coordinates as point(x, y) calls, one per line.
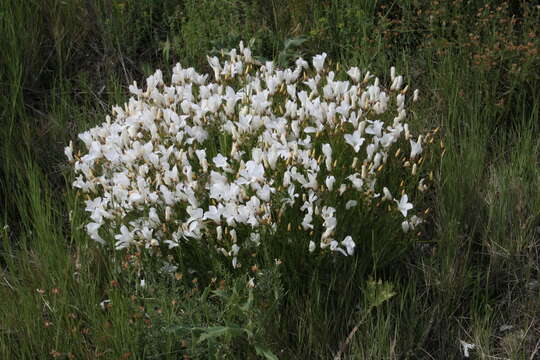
point(64, 63)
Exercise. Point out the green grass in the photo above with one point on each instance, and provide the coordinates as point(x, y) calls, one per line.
point(476, 268)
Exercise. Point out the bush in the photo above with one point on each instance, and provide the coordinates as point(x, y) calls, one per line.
point(292, 158)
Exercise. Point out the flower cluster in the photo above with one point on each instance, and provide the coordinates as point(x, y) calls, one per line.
point(221, 161)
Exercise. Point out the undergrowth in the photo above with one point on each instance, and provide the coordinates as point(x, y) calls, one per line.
point(471, 278)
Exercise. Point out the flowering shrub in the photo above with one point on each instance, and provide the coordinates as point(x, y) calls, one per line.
point(221, 161)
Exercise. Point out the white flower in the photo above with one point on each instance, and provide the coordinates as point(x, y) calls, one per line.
point(312, 84)
point(253, 172)
point(220, 161)
point(354, 73)
point(330, 180)
point(355, 140)
point(308, 218)
point(256, 238)
point(421, 186)
point(397, 83)
point(404, 205)
point(311, 183)
point(327, 151)
point(124, 239)
point(68, 151)
point(349, 244)
point(351, 204)
point(234, 252)
point(153, 217)
point(400, 101)
point(312, 246)
point(334, 246)
point(134, 89)
point(387, 140)
point(387, 194)
point(213, 214)
point(201, 155)
point(260, 102)
point(146, 233)
point(264, 192)
point(416, 147)
point(415, 221)
point(370, 150)
point(292, 196)
point(356, 181)
point(466, 347)
point(318, 62)
point(405, 226)
point(301, 63)
point(104, 303)
point(92, 230)
point(416, 93)
point(330, 221)
point(375, 128)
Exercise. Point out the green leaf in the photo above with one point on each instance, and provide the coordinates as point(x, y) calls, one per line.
point(294, 42)
point(249, 302)
point(204, 295)
point(265, 352)
point(216, 331)
point(378, 292)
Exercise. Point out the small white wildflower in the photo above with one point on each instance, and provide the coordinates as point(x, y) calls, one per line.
point(330, 180)
point(327, 151)
point(234, 239)
point(349, 244)
point(355, 140)
point(334, 246)
point(416, 148)
point(354, 73)
point(364, 173)
point(307, 221)
point(415, 221)
point(104, 303)
point(421, 186)
point(400, 101)
point(405, 226)
point(404, 205)
point(387, 194)
point(351, 204)
point(416, 94)
point(318, 62)
point(356, 181)
point(234, 252)
point(68, 151)
point(219, 233)
point(466, 347)
point(255, 238)
point(397, 83)
point(92, 230)
point(220, 161)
